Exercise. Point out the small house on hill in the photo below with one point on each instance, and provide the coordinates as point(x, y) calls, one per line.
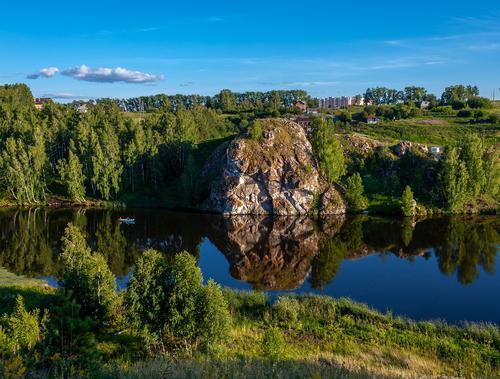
point(435, 150)
point(372, 120)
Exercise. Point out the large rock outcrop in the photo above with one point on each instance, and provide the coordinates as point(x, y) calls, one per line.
point(275, 173)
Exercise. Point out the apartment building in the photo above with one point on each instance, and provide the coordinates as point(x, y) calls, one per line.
point(341, 102)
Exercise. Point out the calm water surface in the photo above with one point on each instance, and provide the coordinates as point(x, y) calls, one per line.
point(443, 268)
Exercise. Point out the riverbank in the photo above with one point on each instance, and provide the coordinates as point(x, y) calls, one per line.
point(294, 336)
point(377, 205)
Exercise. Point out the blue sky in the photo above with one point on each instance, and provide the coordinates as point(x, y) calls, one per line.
point(130, 48)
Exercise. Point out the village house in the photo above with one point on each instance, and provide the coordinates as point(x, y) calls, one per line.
point(372, 120)
point(435, 150)
point(425, 104)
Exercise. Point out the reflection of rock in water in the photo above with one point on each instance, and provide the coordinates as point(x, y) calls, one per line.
point(270, 253)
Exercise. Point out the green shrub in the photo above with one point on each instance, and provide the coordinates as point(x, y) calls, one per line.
point(273, 343)
point(476, 102)
point(256, 131)
point(286, 310)
point(171, 302)
point(214, 317)
point(479, 114)
point(407, 202)
point(444, 110)
point(494, 118)
point(458, 104)
point(20, 330)
point(87, 278)
point(184, 284)
point(354, 193)
point(145, 298)
point(464, 113)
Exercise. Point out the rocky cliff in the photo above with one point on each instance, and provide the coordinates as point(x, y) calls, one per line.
point(269, 171)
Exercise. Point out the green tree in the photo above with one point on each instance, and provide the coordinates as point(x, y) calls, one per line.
point(171, 302)
point(106, 161)
point(471, 153)
point(328, 151)
point(227, 101)
point(147, 291)
point(273, 343)
point(214, 321)
point(22, 329)
point(22, 166)
point(188, 182)
point(408, 202)
point(184, 286)
point(459, 93)
point(454, 181)
point(344, 118)
point(476, 102)
point(414, 94)
point(87, 277)
point(354, 193)
point(492, 172)
point(71, 172)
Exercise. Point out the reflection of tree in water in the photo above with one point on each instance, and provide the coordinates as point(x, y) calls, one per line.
point(333, 251)
point(460, 245)
point(113, 245)
point(465, 245)
point(269, 253)
point(24, 244)
point(407, 226)
point(30, 239)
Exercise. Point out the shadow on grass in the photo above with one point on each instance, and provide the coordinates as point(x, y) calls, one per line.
point(229, 368)
point(39, 296)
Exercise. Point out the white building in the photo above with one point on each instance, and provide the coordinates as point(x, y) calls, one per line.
point(435, 150)
point(341, 102)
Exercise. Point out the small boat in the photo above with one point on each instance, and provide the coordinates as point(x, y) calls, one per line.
point(126, 220)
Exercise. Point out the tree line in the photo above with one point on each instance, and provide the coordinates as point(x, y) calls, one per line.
point(99, 153)
point(415, 94)
point(226, 101)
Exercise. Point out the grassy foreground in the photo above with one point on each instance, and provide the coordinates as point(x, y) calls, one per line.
point(293, 337)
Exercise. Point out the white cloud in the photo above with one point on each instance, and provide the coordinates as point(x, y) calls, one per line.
point(110, 75)
point(64, 96)
point(484, 46)
point(47, 72)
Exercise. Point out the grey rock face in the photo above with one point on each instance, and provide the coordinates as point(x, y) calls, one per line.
point(274, 174)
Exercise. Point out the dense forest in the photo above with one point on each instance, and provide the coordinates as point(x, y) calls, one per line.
point(98, 153)
point(101, 153)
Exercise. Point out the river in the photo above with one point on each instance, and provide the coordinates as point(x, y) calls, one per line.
point(442, 268)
